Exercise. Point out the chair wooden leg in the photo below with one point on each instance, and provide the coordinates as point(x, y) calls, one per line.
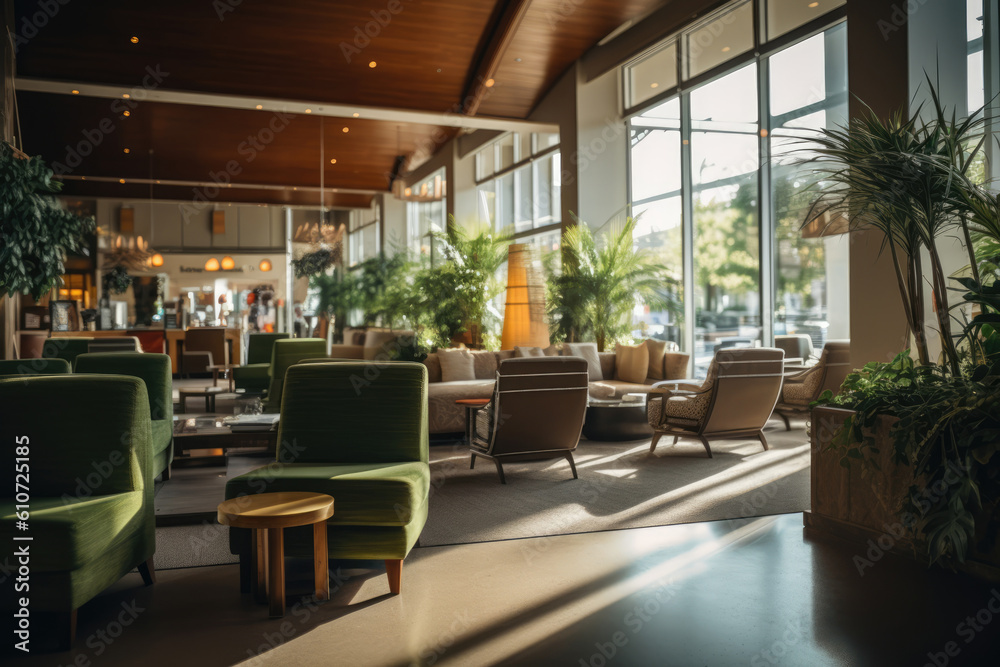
point(321, 561)
point(503, 480)
point(763, 440)
point(784, 418)
point(394, 570)
point(165, 475)
point(708, 449)
point(148, 572)
point(572, 464)
point(656, 438)
point(472, 463)
point(70, 637)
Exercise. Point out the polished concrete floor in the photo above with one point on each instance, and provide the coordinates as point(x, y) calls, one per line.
point(745, 592)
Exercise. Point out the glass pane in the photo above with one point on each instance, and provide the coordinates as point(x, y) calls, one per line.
point(786, 15)
point(667, 114)
point(658, 230)
point(522, 210)
point(976, 82)
point(719, 39)
point(726, 270)
point(487, 203)
point(729, 103)
point(523, 140)
point(505, 216)
point(487, 162)
point(808, 83)
point(973, 19)
point(506, 151)
point(543, 192)
point(716, 156)
point(652, 74)
point(656, 165)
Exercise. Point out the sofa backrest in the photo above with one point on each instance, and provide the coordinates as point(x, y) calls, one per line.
point(20, 367)
point(85, 434)
point(153, 369)
point(354, 412)
point(261, 345)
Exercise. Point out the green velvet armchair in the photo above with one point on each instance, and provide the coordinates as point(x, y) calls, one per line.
point(252, 377)
point(288, 353)
point(358, 432)
point(65, 348)
point(86, 440)
point(155, 371)
point(21, 367)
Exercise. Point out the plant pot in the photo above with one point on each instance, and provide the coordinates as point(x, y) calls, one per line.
point(866, 508)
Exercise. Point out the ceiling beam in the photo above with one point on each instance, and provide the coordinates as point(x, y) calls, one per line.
point(501, 33)
point(447, 118)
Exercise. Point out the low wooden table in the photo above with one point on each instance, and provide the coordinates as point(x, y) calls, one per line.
point(211, 433)
point(472, 406)
point(225, 370)
point(208, 393)
point(268, 514)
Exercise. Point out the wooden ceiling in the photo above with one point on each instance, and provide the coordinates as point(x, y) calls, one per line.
point(426, 53)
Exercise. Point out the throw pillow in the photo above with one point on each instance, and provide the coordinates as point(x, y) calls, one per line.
point(657, 348)
point(589, 352)
point(632, 363)
point(528, 351)
point(456, 364)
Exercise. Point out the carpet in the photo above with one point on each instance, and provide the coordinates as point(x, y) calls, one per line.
point(621, 485)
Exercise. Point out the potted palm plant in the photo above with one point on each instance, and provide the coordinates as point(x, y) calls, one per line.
point(601, 281)
point(912, 443)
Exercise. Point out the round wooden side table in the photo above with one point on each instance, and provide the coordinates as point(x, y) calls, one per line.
point(268, 514)
point(472, 406)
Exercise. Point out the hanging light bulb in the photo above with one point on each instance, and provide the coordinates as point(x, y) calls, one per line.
point(228, 264)
point(265, 265)
point(156, 260)
point(212, 264)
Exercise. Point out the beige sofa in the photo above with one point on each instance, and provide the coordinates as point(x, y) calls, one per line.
point(368, 343)
point(447, 417)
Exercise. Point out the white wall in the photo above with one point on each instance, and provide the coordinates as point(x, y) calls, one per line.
point(602, 150)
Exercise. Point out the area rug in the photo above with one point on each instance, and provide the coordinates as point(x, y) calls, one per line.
point(621, 485)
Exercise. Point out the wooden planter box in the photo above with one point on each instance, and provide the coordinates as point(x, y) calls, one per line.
point(866, 509)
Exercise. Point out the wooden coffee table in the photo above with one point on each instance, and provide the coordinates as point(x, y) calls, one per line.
point(208, 393)
point(268, 514)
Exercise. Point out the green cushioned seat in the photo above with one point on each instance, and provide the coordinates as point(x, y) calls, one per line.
point(288, 353)
point(353, 487)
point(65, 348)
point(92, 514)
point(21, 367)
point(253, 377)
point(74, 530)
point(357, 431)
point(155, 371)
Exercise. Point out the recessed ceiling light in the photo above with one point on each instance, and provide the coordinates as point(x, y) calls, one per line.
point(134, 40)
point(260, 106)
point(763, 132)
point(490, 83)
point(356, 114)
point(654, 85)
point(346, 130)
point(294, 188)
point(373, 64)
point(333, 161)
point(121, 180)
point(126, 96)
point(309, 110)
point(126, 113)
point(813, 5)
point(517, 60)
point(75, 92)
point(127, 151)
point(439, 70)
point(725, 49)
point(157, 182)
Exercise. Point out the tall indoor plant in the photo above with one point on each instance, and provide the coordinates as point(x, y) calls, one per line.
point(601, 280)
point(36, 232)
point(910, 179)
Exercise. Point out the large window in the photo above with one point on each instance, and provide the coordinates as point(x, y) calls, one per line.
point(719, 193)
point(426, 212)
point(518, 185)
point(363, 234)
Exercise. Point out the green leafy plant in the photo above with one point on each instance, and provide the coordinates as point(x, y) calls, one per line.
point(602, 280)
point(35, 231)
point(116, 280)
point(454, 294)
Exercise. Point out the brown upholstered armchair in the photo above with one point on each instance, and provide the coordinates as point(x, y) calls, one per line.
point(536, 413)
point(735, 400)
point(202, 347)
point(804, 387)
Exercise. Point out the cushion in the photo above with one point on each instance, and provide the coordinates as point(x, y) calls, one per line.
point(365, 494)
point(552, 351)
point(444, 415)
point(675, 365)
point(433, 364)
point(656, 348)
point(587, 351)
point(484, 363)
point(631, 363)
point(528, 351)
point(74, 530)
point(456, 364)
